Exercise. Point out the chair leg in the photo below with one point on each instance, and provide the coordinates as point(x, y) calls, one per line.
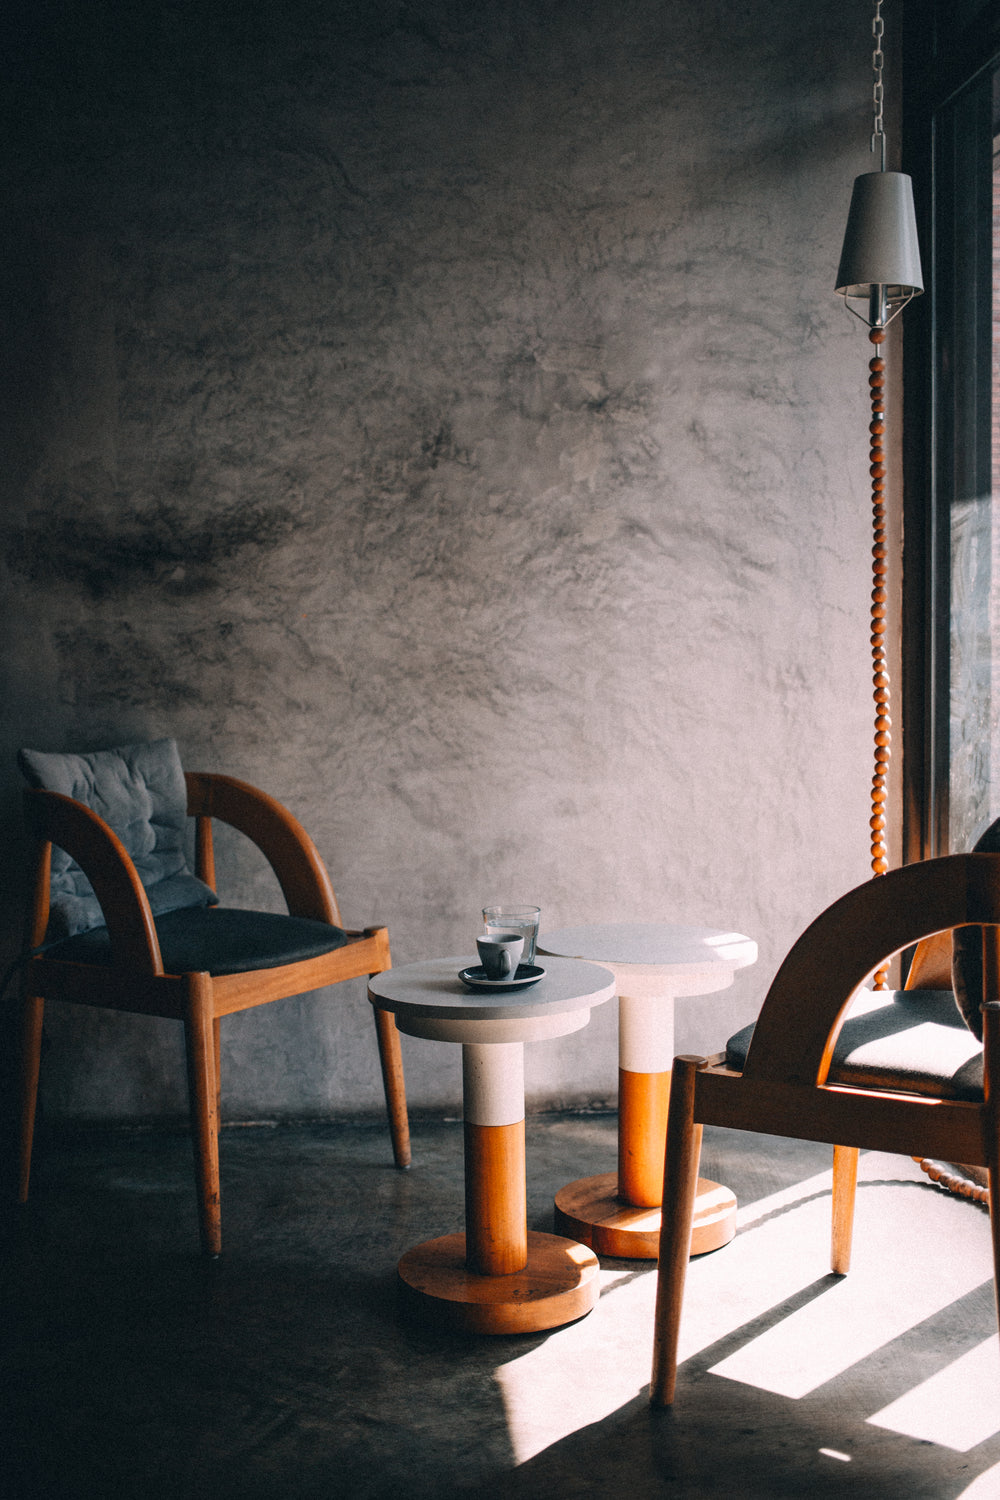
point(217, 1048)
point(391, 1058)
point(991, 1061)
point(200, 1045)
point(31, 1053)
point(994, 1173)
point(845, 1181)
point(680, 1182)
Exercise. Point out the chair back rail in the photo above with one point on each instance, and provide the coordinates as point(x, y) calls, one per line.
point(85, 837)
point(930, 966)
point(41, 896)
point(279, 836)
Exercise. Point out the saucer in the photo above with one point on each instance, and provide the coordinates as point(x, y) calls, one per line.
point(475, 978)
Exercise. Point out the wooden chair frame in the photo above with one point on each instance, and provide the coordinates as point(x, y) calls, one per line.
point(137, 982)
point(783, 1089)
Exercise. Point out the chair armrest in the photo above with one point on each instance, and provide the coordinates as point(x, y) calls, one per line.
point(101, 855)
point(281, 838)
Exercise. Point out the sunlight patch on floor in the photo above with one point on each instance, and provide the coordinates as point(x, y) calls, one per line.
point(959, 1407)
point(985, 1486)
point(781, 1247)
point(915, 1253)
point(581, 1374)
point(858, 1314)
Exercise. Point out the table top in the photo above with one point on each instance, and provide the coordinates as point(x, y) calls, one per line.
point(433, 989)
point(675, 949)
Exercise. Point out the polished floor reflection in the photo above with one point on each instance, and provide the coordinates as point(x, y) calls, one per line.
point(133, 1369)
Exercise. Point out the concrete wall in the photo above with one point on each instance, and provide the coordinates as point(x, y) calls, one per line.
point(440, 415)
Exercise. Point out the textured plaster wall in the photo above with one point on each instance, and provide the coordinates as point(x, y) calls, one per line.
point(440, 415)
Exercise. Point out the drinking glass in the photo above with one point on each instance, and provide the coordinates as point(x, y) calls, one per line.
point(522, 919)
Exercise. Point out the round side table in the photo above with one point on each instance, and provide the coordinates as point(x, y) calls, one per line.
point(496, 1277)
point(653, 964)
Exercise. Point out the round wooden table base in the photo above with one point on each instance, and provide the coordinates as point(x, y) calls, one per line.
point(591, 1211)
point(558, 1285)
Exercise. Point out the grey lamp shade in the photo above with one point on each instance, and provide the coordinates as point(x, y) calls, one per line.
point(880, 243)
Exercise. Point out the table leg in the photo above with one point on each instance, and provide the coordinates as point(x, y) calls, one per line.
point(643, 1100)
point(498, 1277)
point(496, 1210)
point(619, 1214)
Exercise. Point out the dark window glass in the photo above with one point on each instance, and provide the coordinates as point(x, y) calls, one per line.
point(964, 312)
point(951, 652)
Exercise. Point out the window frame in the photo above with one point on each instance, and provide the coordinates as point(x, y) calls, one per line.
point(942, 67)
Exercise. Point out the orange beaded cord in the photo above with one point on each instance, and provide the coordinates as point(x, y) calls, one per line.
point(962, 1187)
point(880, 675)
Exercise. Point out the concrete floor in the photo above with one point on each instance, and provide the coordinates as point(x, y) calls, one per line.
point(132, 1369)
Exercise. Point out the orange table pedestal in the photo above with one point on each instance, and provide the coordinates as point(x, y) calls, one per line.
point(618, 1213)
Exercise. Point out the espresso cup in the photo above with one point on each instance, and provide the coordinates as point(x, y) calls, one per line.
point(500, 953)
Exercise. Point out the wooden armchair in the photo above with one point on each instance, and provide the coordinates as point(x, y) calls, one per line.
point(194, 964)
point(799, 1080)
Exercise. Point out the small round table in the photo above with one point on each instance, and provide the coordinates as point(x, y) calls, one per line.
point(496, 1277)
point(653, 964)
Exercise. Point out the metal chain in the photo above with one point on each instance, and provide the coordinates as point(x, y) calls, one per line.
point(878, 62)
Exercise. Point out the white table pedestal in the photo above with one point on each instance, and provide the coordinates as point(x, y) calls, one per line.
point(618, 1213)
point(497, 1277)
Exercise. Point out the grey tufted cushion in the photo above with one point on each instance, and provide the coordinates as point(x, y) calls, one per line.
point(967, 951)
point(139, 790)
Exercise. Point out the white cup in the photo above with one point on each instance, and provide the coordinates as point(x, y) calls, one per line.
point(500, 953)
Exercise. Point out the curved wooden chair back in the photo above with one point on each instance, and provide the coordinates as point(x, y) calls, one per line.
point(783, 1088)
point(282, 840)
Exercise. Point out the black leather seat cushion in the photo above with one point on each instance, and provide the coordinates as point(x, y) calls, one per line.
point(911, 1040)
point(217, 940)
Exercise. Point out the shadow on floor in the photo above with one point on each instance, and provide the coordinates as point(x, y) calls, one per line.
point(132, 1368)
